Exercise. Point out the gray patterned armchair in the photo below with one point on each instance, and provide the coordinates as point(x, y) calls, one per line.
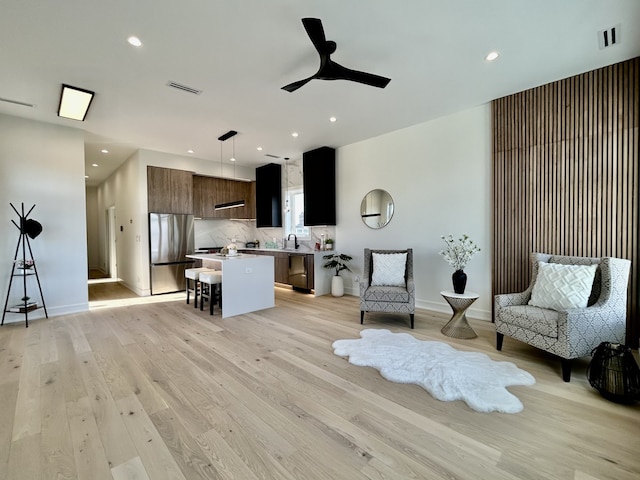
point(396, 297)
point(574, 332)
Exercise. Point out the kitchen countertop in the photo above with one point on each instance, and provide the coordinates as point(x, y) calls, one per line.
point(301, 250)
point(217, 256)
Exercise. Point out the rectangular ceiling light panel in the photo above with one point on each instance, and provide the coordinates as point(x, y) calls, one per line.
point(74, 102)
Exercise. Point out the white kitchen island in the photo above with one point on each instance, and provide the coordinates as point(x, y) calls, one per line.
point(247, 281)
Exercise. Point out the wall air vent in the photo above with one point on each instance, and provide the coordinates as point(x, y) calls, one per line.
point(609, 37)
point(17, 102)
point(271, 156)
point(184, 88)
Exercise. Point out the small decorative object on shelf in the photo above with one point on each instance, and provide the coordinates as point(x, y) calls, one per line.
point(24, 264)
point(328, 244)
point(614, 373)
point(337, 262)
point(457, 254)
point(23, 307)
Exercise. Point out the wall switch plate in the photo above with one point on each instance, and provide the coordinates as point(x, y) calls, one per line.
point(248, 270)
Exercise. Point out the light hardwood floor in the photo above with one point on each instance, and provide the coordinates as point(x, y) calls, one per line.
point(163, 391)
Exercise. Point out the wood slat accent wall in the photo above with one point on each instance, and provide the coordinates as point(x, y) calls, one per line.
point(566, 175)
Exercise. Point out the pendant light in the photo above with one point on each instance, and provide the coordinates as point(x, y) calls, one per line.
point(235, 203)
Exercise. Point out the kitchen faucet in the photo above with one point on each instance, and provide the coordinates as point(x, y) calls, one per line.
point(295, 240)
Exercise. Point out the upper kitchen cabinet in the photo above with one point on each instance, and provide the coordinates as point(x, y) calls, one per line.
point(269, 196)
point(169, 190)
point(203, 196)
point(319, 183)
point(240, 190)
point(211, 191)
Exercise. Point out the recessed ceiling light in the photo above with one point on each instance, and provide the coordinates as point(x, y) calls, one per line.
point(294, 134)
point(104, 150)
point(491, 56)
point(332, 119)
point(94, 164)
point(135, 41)
point(259, 149)
point(86, 176)
point(189, 151)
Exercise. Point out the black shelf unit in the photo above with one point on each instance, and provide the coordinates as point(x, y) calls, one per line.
point(269, 196)
point(28, 228)
point(319, 183)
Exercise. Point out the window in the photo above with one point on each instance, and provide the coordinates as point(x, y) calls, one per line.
point(294, 214)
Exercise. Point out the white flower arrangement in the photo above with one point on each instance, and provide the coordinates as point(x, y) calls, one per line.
point(458, 252)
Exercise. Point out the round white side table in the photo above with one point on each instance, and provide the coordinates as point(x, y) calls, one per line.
point(458, 327)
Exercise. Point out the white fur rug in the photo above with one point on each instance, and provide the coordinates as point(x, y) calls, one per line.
point(446, 373)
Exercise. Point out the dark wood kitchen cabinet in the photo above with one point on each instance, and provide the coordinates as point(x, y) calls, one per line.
point(319, 183)
point(169, 190)
point(203, 196)
point(269, 196)
point(281, 262)
point(240, 190)
point(211, 191)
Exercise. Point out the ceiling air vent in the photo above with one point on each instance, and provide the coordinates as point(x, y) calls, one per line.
point(17, 102)
point(609, 37)
point(184, 88)
point(271, 156)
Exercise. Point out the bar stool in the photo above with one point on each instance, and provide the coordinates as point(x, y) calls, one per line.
point(211, 280)
point(193, 274)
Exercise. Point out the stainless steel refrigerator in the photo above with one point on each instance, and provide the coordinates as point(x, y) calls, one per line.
point(170, 240)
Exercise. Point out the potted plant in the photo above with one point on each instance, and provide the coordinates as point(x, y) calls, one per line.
point(457, 254)
point(337, 262)
point(328, 244)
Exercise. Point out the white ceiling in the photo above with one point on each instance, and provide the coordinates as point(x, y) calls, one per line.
point(240, 54)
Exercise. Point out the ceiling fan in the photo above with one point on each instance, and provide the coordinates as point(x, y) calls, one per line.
point(330, 70)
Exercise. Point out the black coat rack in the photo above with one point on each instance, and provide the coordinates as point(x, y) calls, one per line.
point(28, 228)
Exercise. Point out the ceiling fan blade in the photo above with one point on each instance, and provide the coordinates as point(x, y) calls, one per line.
point(338, 72)
point(314, 29)
point(292, 87)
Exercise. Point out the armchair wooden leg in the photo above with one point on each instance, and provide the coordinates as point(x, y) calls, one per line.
point(411, 315)
point(499, 339)
point(361, 317)
point(566, 369)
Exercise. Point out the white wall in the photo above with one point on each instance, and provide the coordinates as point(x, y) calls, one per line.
point(438, 174)
point(43, 164)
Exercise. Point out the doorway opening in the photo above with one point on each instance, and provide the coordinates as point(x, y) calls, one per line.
point(104, 283)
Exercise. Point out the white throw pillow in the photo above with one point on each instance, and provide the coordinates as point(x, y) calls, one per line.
point(388, 269)
point(561, 287)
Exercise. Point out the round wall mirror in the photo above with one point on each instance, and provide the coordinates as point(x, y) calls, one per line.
point(376, 208)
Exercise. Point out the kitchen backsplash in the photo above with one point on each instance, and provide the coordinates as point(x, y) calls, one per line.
point(218, 233)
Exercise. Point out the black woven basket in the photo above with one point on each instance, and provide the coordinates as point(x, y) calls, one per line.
point(614, 373)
